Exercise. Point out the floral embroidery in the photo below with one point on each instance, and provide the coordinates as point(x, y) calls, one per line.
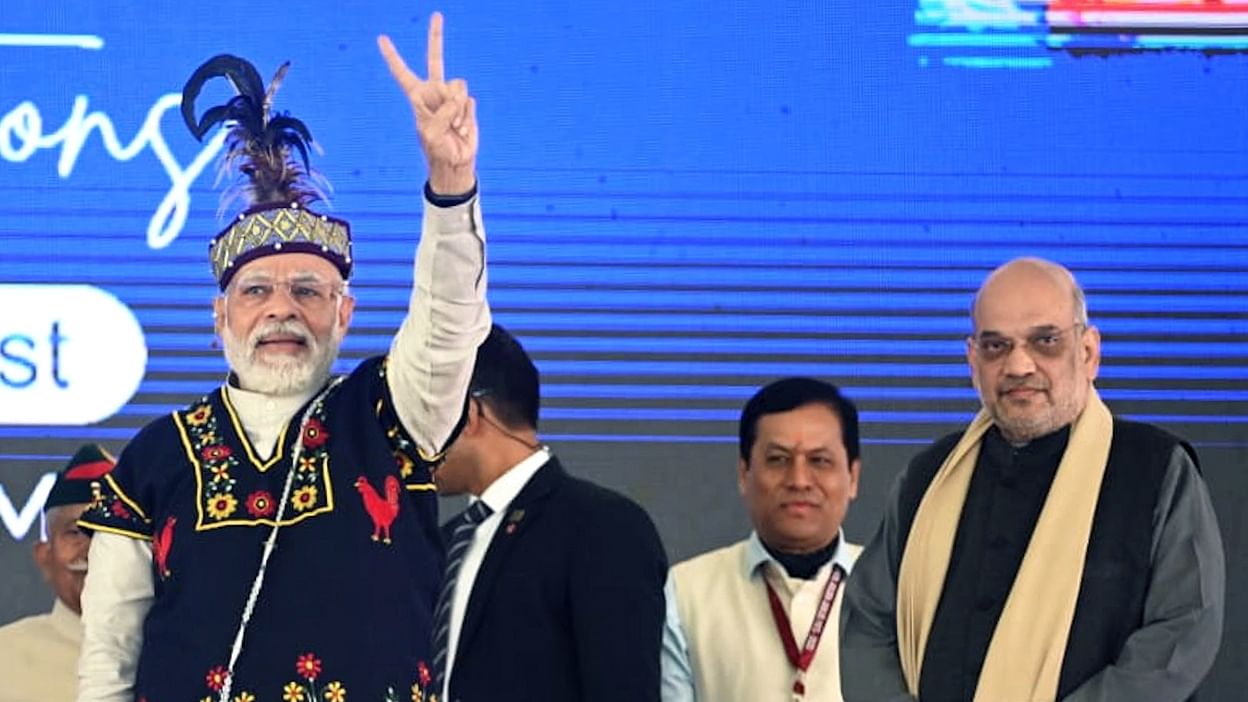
point(405, 465)
point(200, 416)
point(308, 666)
point(222, 506)
point(335, 692)
point(216, 452)
point(120, 510)
point(314, 434)
point(410, 461)
point(216, 678)
point(420, 688)
point(260, 504)
point(303, 498)
point(111, 510)
point(234, 487)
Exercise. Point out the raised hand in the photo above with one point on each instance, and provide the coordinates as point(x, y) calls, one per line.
point(446, 115)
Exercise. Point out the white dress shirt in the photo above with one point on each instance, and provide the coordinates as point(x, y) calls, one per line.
point(498, 496)
point(431, 361)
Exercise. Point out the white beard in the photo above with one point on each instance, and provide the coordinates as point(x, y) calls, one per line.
point(281, 375)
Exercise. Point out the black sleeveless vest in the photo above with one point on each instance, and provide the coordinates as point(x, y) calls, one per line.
point(1116, 574)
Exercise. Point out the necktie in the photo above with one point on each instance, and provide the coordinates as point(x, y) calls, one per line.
point(461, 539)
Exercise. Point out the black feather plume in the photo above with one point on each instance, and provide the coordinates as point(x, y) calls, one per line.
point(248, 106)
point(260, 142)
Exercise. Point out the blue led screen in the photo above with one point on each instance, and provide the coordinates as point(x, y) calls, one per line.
point(683, 201)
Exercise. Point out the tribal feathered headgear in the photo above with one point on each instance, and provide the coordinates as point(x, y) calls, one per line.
point(277, 186)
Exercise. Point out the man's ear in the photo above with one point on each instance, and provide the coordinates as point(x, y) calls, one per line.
point(1090, 347)
point(743, 467)
point(43, 558)
point(218, 314)
point(855, 471)
point(473, 422)
point(345, 310)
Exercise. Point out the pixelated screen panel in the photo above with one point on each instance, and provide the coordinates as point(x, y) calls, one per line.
point(682, 202)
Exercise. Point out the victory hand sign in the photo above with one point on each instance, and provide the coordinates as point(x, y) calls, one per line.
point(446, 115)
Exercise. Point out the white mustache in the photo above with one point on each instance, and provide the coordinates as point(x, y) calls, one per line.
point(77, 567)
point(289, 327)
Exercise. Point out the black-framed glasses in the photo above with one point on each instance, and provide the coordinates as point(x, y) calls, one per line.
point(1044, 342)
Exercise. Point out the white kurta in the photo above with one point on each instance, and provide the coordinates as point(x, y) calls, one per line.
point(39, 657)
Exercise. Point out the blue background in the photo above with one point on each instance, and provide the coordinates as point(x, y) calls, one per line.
point(684, 200)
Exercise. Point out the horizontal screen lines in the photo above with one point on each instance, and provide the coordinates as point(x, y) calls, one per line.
point(381, 241)
point(957, 225)
point(769, 369)
point(953, 325)
point(543, 179)
point(556, 390)
point(382, 244)
point(751, 301)
point(1162, 350)
point(76, 435)
point(390, 279)
point(732, 414)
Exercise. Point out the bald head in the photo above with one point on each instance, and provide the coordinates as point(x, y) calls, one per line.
point(1027, 274)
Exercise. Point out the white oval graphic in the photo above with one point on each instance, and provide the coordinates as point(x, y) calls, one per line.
point(69, 354)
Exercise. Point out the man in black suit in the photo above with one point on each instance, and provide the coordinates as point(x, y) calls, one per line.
point(554, 586)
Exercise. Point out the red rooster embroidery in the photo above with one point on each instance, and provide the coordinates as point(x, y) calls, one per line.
point(161, 543)
point(382, 512)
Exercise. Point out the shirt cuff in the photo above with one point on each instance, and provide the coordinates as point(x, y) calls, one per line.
point(448, 200)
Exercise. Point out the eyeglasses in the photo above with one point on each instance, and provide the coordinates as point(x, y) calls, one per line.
point(1048, 342)
point(308, 294)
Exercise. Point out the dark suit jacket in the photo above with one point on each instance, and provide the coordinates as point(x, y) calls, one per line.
point(568, 604)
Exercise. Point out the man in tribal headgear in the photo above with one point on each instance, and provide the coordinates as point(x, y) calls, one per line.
point(277, 539)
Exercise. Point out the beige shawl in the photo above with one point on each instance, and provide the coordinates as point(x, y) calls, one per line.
point(1024, 658)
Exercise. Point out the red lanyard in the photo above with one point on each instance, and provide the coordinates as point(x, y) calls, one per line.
point(801, 661)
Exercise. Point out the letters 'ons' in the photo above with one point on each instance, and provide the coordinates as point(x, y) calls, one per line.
point(22, 135)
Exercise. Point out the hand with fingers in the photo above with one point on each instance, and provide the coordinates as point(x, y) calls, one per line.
point(445, 114)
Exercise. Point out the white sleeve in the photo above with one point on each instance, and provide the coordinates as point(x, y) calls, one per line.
point(115, 600)
point(676, 677)
point(432, 354)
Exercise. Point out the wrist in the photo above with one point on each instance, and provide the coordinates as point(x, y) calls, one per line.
point(450, 181)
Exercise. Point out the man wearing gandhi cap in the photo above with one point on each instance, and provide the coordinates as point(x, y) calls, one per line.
point(40, 653)
point(278, 538)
